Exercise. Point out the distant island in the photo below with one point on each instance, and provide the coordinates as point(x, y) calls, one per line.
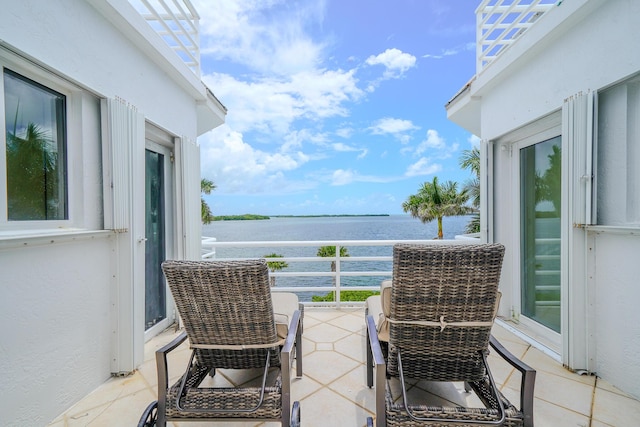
point(247, 217)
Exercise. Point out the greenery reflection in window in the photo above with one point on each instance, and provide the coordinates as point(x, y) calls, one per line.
point(35, 144)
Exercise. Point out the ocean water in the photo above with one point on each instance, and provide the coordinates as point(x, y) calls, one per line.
point(394, 227)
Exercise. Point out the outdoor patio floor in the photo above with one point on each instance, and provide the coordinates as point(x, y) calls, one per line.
point(333, 391)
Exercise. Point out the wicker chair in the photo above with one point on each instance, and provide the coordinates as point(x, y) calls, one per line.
point(232, 321)
point(434, 326)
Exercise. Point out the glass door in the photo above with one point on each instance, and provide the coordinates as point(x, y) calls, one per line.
point(540, 189)
point(155, 292)
point(159, 241)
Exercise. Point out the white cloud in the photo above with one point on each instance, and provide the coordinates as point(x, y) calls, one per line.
point(236, 167)
point(433, 141)
point(264, 35)
point(339, 146)
point(344, 132)
point(363, 154)
point(395, 61)
point(389, 125)
point(452, 51)
point(342, 177)
point(474, 141)
point(423, 167)
point(271, 105)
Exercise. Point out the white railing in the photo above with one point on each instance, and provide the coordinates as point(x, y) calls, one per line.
point(368, 263)
point(501, 22)
point(177, 22)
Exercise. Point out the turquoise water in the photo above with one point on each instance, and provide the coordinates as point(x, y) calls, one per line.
point(394, 227)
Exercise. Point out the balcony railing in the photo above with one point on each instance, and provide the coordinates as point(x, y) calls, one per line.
point(177, 22)
point(368, 262)
point(501, 22)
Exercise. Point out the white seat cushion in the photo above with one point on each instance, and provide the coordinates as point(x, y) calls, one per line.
point(379, 306)
point(284, 305)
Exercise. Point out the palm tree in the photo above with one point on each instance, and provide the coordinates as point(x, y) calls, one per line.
point(206, 187)
point(275, 266)
point(330, 251)
point(470, 159)
point(32, 174)
point(435, 201)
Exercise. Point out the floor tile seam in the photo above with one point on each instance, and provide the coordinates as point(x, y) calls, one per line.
point(562, 377)
point(310, 314)
point(148, 384)
point(344, 329)
point(593, 401)
point(564, 408)
point(617, 393)
point(69, 412)
point(328, 386)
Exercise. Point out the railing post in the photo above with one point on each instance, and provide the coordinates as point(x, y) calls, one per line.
point(337, 273)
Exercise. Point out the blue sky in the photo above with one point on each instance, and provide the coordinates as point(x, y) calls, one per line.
point(334, 106)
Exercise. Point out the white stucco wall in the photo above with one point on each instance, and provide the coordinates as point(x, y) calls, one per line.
point(577, 46)
point(56, 293)
point(617, 326)
point(591, 54)
point(54, 311)
point(72, 37)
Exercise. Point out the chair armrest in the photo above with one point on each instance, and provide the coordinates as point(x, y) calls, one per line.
point(161, 361)
point(293, 338)
point(376, 350)
point(380, 368)
point(527, 383)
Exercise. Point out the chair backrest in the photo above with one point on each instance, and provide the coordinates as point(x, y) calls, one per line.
point(443, 302)
point(224, 304)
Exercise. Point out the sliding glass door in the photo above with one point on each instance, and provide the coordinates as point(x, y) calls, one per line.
point(158, 237)
point(540, 189)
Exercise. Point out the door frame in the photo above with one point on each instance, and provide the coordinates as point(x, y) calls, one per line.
point(160, 142)
point(539, 131)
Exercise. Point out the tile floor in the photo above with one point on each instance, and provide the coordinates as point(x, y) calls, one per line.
point(333, 391)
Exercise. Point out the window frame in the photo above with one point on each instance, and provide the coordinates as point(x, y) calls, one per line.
point(73, 148)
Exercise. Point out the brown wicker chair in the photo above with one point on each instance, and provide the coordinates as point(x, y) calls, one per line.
point(228, 314)
point(443, 301)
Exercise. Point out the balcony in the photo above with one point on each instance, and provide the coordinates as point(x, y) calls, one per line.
point(177, 23)
point(501, 22)
point(333, 390)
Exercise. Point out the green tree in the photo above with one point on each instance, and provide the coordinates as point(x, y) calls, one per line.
point(32, 174)
point(548, 184)
point(275, 266)
point(330, 251)
point(206, 187)
point(435, 201)
point(470, 159)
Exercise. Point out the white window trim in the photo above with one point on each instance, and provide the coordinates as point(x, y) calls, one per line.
point(74, 151)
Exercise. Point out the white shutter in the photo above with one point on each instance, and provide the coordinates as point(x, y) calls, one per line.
point(577, 179)
point(577, 134)
point(123, 129)
point(123, 173)
point(189, 217)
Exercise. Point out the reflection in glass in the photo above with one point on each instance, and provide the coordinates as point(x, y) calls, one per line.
point(540, 232)
point(35, 150)
point(155, 289)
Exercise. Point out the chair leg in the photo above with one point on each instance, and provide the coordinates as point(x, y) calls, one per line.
point(149, 416)
point(369, 353)
point(299, 351)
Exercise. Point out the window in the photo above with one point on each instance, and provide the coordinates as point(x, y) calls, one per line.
point(36, 170)
point(618, 155)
